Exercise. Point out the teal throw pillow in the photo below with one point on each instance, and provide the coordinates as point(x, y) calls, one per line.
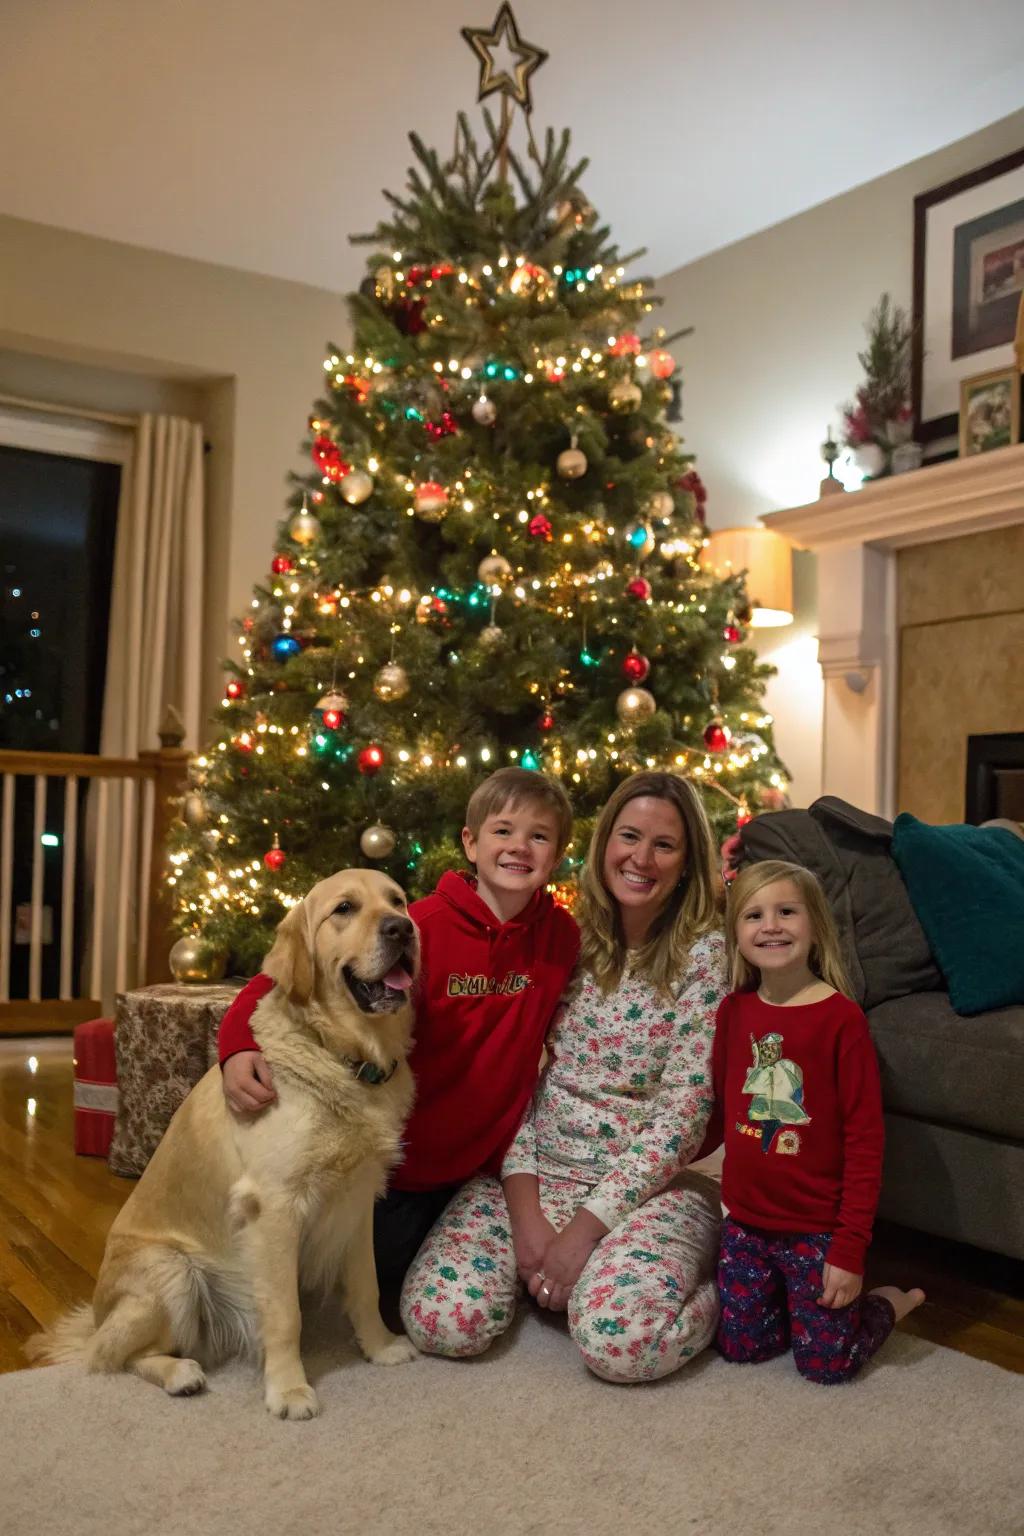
point(966, 885)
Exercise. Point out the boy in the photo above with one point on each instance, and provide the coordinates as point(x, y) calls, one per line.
point(496, 954)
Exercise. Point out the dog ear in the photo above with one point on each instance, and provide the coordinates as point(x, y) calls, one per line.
point(290, 961)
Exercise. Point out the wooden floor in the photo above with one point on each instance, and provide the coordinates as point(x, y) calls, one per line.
point(55, 1209)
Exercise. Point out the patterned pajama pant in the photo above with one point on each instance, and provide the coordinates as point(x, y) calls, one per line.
point(645, 1303)
point(769, 1284)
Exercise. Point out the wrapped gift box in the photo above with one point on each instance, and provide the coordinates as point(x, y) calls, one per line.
point(166, 1039)
point(95, 1087)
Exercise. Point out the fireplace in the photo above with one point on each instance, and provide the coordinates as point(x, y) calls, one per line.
point(995, 777)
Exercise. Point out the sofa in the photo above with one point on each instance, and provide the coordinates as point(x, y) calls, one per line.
point(952, 1086)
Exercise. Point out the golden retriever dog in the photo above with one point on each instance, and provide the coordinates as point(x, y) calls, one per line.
point(236, 1214)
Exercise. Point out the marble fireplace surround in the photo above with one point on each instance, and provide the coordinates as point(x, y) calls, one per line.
point(856, 536)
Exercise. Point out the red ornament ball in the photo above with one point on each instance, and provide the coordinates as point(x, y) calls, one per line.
point(370, 760)
point(626, 345)
point(743, 816)
point(235, 689)
point(731, 634)
point(546, 721)
point(333, 718)
point(281, 565)
point(243, 743)
point(636, 667)
point(640, 588)
point(662, 363)
point(717, 736)
point(275, 857)
point(540, 527)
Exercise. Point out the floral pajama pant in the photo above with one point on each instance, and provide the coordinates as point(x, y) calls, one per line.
point(645, 1303)
point(769, 1283)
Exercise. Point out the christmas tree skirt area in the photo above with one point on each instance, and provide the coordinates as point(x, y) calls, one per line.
point(522, 1440)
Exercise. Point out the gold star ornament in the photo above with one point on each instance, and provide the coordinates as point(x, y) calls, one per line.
point(510, 73)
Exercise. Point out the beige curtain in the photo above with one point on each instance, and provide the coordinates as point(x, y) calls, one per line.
point(156, 610)
point(153, 661)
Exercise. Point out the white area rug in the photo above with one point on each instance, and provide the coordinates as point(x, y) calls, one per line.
point(523, 1442)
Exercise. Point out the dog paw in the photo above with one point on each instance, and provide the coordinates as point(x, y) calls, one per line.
point(292, 1403)
point(185, 1379)
point(399, 1352)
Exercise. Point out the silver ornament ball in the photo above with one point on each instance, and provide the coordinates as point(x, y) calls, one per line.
point(194, 961)
point(485, 412)
point(571, 463)
point(377, 842)
point(194, 810)
point(492, 637)
point(494, 569)
point(634, 705)
point(391, 682)
point(661, 505)
point(356, 487)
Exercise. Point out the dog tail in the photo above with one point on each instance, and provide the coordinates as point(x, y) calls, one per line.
point(67, 1342)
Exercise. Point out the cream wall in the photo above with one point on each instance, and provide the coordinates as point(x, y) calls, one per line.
point(779, 322)
point(139, 330)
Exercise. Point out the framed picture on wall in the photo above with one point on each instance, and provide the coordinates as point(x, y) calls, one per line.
point(989, 411)
point(968, 281)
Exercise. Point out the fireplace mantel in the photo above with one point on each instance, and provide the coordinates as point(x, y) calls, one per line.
point(855, 536)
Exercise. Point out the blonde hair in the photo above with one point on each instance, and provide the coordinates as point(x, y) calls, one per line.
point(694, 908)
point(509, 787)
point(825, 959)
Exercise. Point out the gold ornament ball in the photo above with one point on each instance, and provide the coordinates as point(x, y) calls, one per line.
point(194, 810)
point(304, 528)
point(634, 705)
point(384, 283)
point(484, 412)
point(530, 281)
point(391, 682)
point(194, 962)
point(661, 505)
point(356, 486)
point(491, 637)
point(571, 463)
point(494, 569)
point(624, 395)
point(377, 842)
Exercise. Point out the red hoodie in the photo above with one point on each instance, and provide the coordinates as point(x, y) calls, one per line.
point(486, 994)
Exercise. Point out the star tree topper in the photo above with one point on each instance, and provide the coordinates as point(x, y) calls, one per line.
point(509, 75)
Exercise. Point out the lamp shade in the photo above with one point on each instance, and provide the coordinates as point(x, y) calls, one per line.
point(766, 558)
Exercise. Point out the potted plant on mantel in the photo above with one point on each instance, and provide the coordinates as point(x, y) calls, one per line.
point(877, 426)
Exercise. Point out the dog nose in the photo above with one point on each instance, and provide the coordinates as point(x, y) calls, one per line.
point(398, 929)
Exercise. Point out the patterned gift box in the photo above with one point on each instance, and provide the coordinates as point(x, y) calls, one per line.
point(166, 1040)
point(95, 1087)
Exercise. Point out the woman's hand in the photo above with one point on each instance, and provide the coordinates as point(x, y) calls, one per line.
point(839, 1287)
point(565, 1259)
point(248, 1082)
point(531, 1238)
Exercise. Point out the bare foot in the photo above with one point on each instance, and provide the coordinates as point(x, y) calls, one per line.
point(902, 1301)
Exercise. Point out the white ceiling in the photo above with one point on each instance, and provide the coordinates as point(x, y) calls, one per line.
point(258, 133)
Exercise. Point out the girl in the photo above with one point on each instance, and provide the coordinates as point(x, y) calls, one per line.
point(593, 1214)
point(797, 1092)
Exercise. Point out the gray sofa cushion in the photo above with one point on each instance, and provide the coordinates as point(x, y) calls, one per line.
point(939, 1066)
point(884, 946)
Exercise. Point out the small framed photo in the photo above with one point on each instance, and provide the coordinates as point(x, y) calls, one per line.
point(968, 282)
point(989, 411)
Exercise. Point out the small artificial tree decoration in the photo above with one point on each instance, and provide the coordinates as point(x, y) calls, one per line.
point(879, 419)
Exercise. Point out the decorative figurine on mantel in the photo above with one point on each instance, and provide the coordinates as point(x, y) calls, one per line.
point(830, 452)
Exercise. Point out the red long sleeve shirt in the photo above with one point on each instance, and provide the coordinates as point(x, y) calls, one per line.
point(484, 998)
point(799, 1107)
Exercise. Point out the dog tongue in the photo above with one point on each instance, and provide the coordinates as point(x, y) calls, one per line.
point(398, 979)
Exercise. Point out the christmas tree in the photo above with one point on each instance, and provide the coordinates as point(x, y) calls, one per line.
point(494, 558)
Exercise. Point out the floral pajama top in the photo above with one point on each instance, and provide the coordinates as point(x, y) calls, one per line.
point(624, 1102)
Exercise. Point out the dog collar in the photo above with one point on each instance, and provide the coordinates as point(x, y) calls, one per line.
point(369, 1072)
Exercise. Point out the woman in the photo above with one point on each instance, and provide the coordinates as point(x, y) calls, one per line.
point(593, 1213)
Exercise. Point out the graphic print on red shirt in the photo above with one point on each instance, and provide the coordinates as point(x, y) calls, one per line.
point(485, 995)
